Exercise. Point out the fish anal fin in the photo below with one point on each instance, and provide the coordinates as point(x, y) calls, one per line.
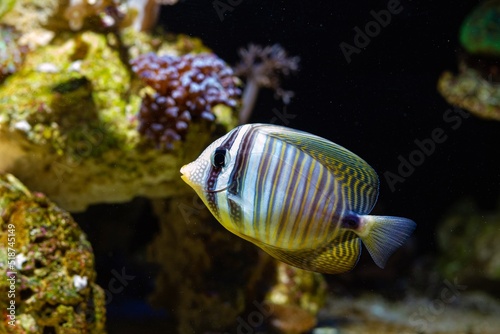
point(336, 257)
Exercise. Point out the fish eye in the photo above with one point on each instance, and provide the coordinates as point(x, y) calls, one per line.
point(220, 158)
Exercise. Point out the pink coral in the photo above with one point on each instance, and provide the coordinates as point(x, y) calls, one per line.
point(187, 88)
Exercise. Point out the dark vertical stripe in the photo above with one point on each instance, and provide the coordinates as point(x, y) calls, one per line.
point(290, 200)
point(260, 186)
point(213, 174)
point(309, 165)
point(274, 179)
point(238, 174)
point(321, 203)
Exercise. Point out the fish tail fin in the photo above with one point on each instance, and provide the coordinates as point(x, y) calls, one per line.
point(382, 235)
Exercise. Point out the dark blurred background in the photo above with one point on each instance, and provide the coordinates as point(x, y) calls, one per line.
point(376, 106)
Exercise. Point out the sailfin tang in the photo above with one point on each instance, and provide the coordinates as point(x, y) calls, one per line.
point(382, 235)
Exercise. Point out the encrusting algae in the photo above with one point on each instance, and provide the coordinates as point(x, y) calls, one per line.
point(213, 280)
point(88, 118)
point(475, 88)
point(51, 266)
point(295, 299)
point(70, 115)
point(207, 277)
point(468, 239)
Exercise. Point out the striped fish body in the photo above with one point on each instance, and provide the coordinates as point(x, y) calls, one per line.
point(301, 198)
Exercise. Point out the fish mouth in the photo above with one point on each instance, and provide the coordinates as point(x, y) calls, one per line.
point(195, 185)
point(184, 171)
point(185, 176)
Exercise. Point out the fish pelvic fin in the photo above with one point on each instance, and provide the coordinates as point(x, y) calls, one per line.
point(336, 257)
point(382, 235)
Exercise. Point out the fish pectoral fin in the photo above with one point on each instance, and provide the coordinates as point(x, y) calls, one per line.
point(237, 200)
point(240, 204)
point(382, 235)
point(338, 256)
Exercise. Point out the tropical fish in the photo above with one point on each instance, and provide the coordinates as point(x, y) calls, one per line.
point(301, 198)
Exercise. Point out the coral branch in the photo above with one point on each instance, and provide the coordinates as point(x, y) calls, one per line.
point(264, 67)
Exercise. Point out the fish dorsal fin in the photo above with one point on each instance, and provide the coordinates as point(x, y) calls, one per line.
point(336, 257)
point(359, 180)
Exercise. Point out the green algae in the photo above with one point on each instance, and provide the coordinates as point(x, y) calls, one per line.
point(70, 98)
point(470, 91)
point(29, 15)
point(68, 122)
point(468, 239)
point(77, 92)
point(6, 6)
point(50, 252)
point(480, 31)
